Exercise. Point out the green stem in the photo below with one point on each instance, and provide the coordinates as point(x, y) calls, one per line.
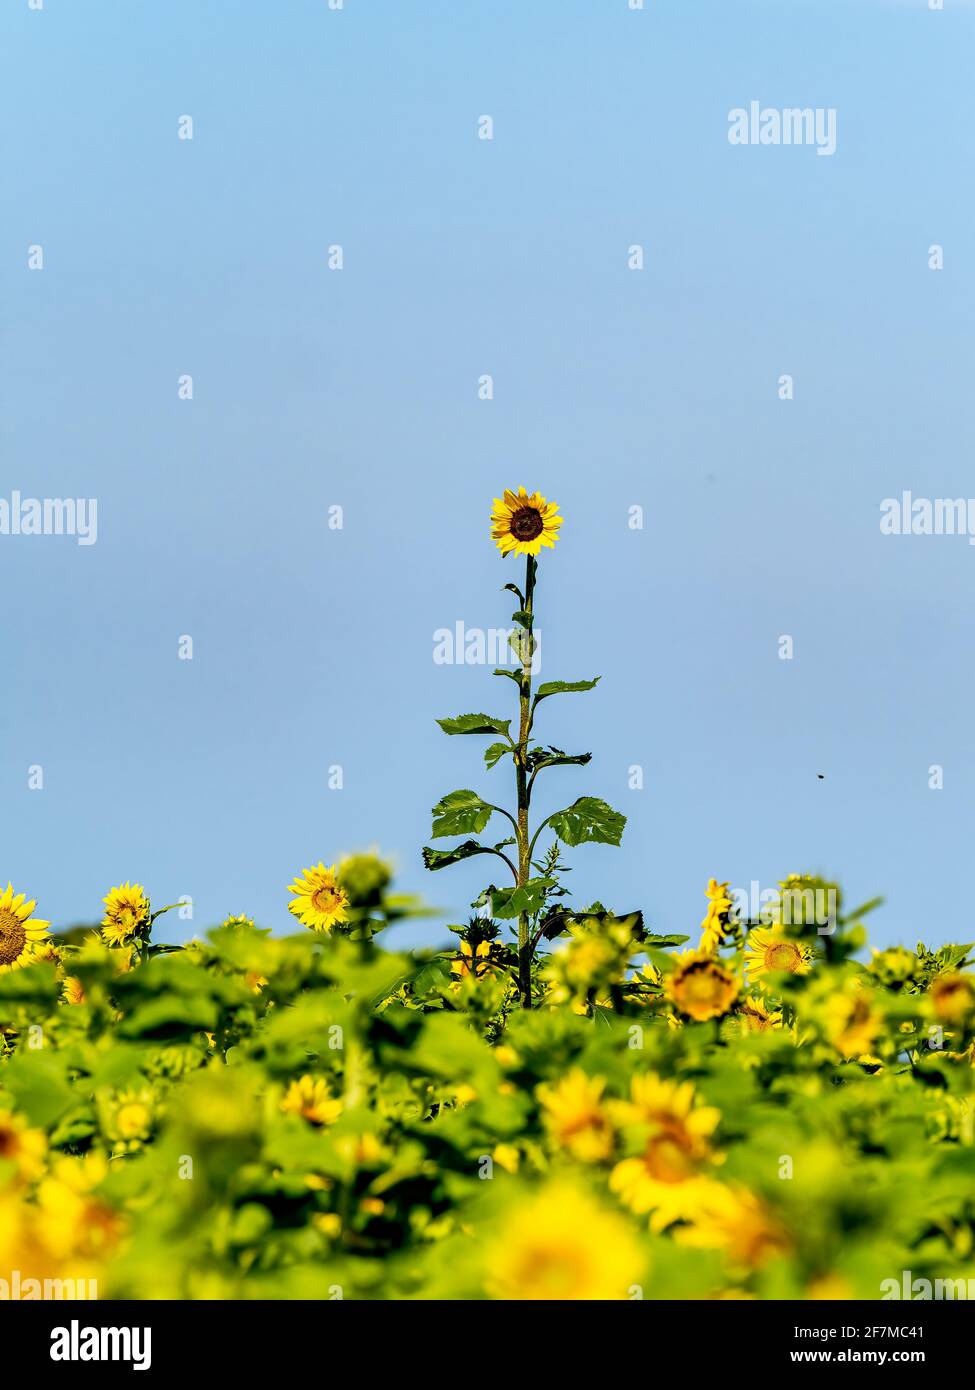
point(521, 771)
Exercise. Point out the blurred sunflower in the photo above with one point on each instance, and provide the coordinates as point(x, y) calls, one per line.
point(132, 1115)
point(20, 934)
point(769, 951)
point(757, 1017)
point(319, 902)
point(667, 1178)
point(575, 1117)
point(952, 996)
point(311, 1098)
point(522, 522)
point(701, 986)
point(25, 1148)
point(560, 1244)
point(737, 1222)
point(127, 913)
point(851, 1024)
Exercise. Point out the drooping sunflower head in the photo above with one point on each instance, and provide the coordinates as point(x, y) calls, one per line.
point(319, 902)
point(714, 928)
point(770, 951)
point(701, 986)
point(522, 522)
point(127, 913)
point(21, 935)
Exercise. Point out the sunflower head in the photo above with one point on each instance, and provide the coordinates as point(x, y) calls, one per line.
point(559, 1244)
point(770, 951)
point(311, 1098)
point(575, 1116)
point(21, 936)
point(701, 986)
point(522, 522)
point(127, 914)
point(319, 901)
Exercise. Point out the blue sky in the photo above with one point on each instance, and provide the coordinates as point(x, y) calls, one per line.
point(358, 388)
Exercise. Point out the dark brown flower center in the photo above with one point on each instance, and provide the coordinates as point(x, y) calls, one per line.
point(526, 524)
point(12, 936)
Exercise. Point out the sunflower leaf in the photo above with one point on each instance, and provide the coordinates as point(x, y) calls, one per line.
point(459, 813)
point(434, 859)
point(588, 819)
point(529, 898)
point(548, 688)
point(475, 724)
point(494, 752)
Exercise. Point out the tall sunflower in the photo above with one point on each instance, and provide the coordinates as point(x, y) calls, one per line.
point(127, 912)
point(319, 902)
point(20, 934)
point(522, 522)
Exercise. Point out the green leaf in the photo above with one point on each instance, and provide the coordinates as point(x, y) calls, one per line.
point(440, 858)
point(512, 675)
point(555, 757)
point(513, 589)
point(529, 898)
point(459, 813)
point(475, 724)
point(588, 819)
point(495, 752)
point(548, 688)
point(522, 618)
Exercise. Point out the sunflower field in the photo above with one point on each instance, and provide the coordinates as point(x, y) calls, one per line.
point(560, 1104)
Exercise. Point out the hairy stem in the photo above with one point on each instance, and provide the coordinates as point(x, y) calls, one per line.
point(521, 772)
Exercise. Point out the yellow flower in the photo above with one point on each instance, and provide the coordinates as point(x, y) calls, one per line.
point(255, 982)
point(311, 1098)
point(20, 934)
point(507, 1157)
point(23, 1147)
point(72, 1220)
point(560, 1244)
point(239, 920)
point(127, 912)
point(132, 1117)
point(473, 963)
point(522, 522)
point(74, 990)
point(363, 1150)
point(851, 1024)
point(319, 902)
point(701, 986)
point(735, 1221)
point(756, 1017)
point(769, 951)
point(713, 928)
point(952, 996)
point(575, 1118)
point(667, 1177)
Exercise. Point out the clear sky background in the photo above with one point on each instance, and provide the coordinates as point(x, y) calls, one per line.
point(613, 388)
